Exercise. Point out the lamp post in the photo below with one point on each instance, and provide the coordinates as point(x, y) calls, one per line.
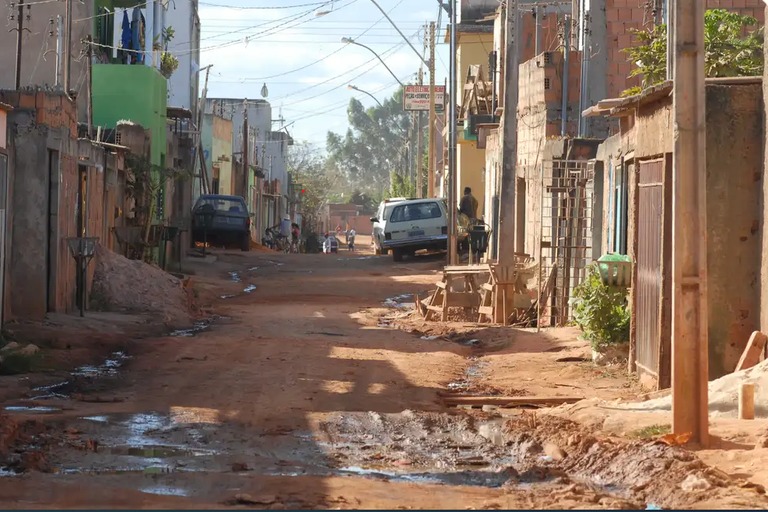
point(355, 88)
point(349, 40)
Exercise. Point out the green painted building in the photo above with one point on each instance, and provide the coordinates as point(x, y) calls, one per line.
point(135, 93)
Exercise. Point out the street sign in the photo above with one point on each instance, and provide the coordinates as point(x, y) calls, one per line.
point(416, 97)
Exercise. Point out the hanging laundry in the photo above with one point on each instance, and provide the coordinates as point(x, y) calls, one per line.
point(137, 36)
point(126, 39)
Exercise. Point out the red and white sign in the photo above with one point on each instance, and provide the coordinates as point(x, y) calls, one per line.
point(416, 97)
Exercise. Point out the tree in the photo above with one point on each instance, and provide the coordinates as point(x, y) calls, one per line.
point(373, 146)
point(731, 49)
point(306, 164)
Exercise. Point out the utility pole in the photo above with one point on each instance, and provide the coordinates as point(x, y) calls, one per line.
point(451, 122)
point(506, 228)
point(204, 185)
point(68, 44)
point(690, 318)
point(432, 115)
point(59, 48)
point(420, 140)
point(566, 69)
point(245, 149)
point(89, 70)
point(19, 32)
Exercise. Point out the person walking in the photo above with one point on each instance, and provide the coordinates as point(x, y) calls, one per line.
point(351, 239)
point(468, 205)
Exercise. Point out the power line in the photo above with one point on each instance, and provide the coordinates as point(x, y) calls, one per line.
point(301, 68)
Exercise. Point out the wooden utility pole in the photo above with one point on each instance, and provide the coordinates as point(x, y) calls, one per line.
point(451, 122)
point(245, 150)
point(506, 228)
point(89, 70)
point(690, 319)
point(19, 32)
point(432, 114)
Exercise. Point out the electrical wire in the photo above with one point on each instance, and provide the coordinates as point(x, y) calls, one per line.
point(301, 68)
point(261, 7)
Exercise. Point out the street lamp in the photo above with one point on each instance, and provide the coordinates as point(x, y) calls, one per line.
point(354, 88)
point(349, 40)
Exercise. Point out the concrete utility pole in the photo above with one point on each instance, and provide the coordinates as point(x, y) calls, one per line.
point(19, 32)
point(690, 318)
point(420, 140)
point(451, 121)
point(432, 114)
point(59, 45)
point(245, 150)
point(506, 228)
point(89, 70)
point(67, 44)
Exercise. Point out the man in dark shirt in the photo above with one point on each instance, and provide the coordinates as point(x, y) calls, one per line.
point(468, 204)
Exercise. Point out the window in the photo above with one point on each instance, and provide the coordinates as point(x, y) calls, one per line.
point(223, 205)
point(619, 210)
point(413, 212)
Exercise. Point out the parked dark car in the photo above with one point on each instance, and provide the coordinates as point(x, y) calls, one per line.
point(228, 221)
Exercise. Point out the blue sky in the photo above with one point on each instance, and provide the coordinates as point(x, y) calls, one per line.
point(301, 58)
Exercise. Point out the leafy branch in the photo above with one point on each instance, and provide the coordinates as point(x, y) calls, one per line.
point(731, 49)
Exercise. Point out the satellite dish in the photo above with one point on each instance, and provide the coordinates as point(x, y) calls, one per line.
point(264, 91)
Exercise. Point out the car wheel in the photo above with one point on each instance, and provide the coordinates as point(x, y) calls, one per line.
point(397, 255)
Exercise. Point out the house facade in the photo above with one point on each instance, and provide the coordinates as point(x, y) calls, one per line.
point(637, 218)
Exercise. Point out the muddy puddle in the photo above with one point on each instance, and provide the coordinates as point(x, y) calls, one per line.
point(525, 453)
point(197, 328)
point(471, 375)
point(404, 301)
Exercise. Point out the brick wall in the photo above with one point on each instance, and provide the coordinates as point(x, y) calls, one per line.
point(624, 16)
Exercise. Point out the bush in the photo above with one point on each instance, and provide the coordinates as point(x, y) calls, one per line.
point(601, 311)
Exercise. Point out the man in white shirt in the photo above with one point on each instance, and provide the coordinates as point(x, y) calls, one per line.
point(351, 239)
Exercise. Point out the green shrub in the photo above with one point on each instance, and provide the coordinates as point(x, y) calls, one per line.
point(15, 363)
point(601, 311)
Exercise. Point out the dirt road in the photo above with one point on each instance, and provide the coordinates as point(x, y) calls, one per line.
point(309, 389)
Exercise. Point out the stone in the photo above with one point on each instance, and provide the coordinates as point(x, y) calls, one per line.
point(611, 354)
point(554, 451)
point(10, 346)
point(29, 350)
point(694, 483)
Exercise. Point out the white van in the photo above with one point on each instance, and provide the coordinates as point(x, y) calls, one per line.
point(405, 226)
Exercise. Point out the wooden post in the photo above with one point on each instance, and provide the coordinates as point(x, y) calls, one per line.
point(506, 227)
point(419, 145)
point(747, 401)
point(689, 227)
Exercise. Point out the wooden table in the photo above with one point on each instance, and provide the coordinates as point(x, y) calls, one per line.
point(446, 296)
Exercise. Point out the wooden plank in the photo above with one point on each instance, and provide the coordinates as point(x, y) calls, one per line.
point(461, 299)
point(486, 310)
point(440, 284)
point(751, 355)
point(502, 401)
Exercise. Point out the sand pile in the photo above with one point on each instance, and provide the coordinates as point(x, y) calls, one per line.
point(132, 286)
point(723, 394)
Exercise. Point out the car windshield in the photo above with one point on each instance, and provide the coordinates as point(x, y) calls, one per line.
point(419, 211)
point(222, 204)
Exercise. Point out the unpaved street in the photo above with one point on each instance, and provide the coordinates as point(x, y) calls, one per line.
point(306, 388)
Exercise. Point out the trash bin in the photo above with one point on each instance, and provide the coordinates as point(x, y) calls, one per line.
point(615, 270)
point(478, 239)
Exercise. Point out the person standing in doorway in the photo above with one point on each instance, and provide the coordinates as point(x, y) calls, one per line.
point(468, 205)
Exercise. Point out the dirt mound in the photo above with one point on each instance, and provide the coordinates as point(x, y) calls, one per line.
point(124, 285)
point(645, 471)
point(723, 394)
point(21, 445)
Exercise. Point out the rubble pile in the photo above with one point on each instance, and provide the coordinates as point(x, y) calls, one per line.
point(132, 286)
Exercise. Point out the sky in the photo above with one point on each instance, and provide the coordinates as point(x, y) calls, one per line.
point(295, 50)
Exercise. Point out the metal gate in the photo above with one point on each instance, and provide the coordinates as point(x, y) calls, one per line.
point(648, 295)
point(565, 239)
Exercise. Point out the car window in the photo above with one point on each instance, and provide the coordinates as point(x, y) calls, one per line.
point(413, 212)
point(223, 204)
